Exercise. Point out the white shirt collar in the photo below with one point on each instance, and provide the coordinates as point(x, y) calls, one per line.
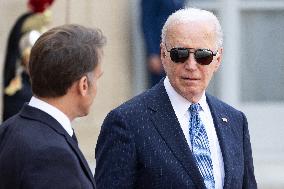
point(53, 112)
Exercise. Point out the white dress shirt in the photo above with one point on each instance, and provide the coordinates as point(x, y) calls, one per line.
point(53, 112)
point(180, 106)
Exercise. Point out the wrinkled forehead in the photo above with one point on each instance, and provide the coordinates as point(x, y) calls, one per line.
point(193, 30)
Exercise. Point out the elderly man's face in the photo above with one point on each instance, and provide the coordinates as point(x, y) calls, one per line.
point(190, 79)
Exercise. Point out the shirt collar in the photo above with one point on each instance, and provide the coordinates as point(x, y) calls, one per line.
point(53, 112)
point(179, 103)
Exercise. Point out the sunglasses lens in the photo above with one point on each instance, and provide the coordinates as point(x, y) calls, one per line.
point(179, 55)
point(203, 56)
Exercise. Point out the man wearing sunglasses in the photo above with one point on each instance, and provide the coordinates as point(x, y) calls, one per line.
point(175, 135)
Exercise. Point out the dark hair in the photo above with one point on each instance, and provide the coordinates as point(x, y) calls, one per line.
point(61, 56)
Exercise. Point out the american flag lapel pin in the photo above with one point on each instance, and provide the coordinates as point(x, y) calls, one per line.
point(224, 119)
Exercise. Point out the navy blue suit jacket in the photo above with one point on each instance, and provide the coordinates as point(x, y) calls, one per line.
point(141, 145)
point(37, 153)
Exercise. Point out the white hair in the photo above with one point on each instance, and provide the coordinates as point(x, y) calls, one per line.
point(193, 14)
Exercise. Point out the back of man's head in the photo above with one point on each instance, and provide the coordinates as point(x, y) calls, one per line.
point(62, 56)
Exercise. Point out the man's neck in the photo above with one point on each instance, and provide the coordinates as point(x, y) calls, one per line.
point(62, 104)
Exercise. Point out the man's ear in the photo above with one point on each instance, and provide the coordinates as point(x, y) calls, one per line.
point(163, 53)
point(83, 86)
point(219, 58)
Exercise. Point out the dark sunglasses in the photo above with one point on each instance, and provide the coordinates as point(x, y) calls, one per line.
point(201, 56)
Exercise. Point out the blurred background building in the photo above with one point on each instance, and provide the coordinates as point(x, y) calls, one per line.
point(251, 76)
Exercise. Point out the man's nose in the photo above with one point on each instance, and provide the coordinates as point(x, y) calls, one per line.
point(191, 63)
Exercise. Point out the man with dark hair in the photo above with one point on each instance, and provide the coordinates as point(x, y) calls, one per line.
point(38, 147)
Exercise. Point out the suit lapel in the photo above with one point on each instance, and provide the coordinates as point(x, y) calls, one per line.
point(83, 161)
point(38, 115)
point(167, 124)
point(223, 126)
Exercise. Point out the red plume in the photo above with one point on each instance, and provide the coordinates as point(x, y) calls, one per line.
point(39, 5)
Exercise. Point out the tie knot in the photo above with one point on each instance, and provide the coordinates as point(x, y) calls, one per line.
point(194, 108)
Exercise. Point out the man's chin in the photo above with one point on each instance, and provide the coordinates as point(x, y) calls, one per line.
point(192, 94)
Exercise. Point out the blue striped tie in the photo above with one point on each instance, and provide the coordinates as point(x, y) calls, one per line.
point(200, 146)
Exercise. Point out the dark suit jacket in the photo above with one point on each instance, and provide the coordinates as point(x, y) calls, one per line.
point(37, 153)
point(141, 145)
